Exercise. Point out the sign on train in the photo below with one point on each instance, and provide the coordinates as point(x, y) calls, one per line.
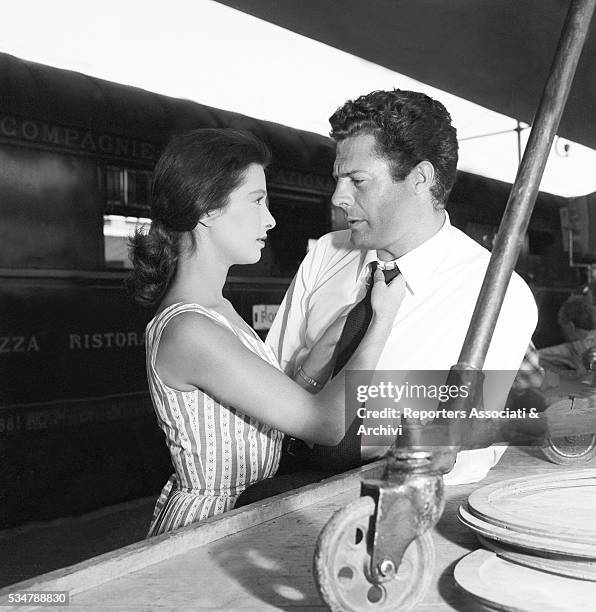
point(263, 315)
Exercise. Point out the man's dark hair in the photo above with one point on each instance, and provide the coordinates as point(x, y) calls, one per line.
point(409, 127)
point(578, 310)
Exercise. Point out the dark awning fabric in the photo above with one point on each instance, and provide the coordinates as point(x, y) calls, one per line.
point(496, 53)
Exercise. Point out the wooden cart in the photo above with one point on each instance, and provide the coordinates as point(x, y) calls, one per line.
point(260, 557)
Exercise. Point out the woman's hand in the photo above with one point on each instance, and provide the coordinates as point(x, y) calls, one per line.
point(386, 299)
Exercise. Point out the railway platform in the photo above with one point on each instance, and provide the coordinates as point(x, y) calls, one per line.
point(38, 548)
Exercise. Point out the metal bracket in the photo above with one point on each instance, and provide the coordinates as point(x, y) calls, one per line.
point(408, 502)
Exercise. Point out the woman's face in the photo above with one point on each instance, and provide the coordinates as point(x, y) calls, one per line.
point(240, 231)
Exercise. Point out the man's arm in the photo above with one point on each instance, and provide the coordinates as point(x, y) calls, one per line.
point(288, 331)
point(530, 374)
point(509, 345)
point(558, 357)
point(513, 331)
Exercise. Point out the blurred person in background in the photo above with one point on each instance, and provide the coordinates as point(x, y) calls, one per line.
point(573, 358)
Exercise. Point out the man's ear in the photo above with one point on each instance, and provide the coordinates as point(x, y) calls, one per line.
point(422, 176)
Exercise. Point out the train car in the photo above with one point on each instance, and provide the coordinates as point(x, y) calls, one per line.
point(76, 155)
point(76, 425)
point(476, 206)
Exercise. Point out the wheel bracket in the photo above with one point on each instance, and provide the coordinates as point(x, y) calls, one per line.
point(408, 502)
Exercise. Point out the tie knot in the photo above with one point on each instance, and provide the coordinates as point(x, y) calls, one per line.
point(389, 274)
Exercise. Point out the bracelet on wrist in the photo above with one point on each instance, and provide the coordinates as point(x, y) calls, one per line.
point(308, 379)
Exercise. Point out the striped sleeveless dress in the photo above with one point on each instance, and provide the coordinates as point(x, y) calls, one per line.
point(216, 450)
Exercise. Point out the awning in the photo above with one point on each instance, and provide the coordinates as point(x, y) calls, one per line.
point(496, 53)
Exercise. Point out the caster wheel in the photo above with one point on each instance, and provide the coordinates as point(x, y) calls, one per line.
point(341, 565)
point(570, 449)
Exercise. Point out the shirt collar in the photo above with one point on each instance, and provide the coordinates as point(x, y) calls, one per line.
point(418, 264)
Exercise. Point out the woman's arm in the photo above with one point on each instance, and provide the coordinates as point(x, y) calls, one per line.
point(318, 365)
point(197, 352)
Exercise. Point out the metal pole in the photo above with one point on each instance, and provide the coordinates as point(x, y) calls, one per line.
point(523, 193)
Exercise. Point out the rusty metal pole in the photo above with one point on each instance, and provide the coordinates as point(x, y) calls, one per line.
point(525, 189)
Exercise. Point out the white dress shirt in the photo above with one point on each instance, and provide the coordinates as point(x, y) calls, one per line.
point(443, 278)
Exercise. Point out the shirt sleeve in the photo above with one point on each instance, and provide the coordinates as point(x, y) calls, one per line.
point(287, 333)
point(531, 373)
point(511, 339)
point(513, 331)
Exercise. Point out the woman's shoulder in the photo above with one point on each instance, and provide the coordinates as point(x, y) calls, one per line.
point(198, 333)
point(189, 338)
point(181, 319)
point(184, 313)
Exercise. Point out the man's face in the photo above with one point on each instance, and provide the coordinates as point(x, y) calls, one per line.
point(380, 212)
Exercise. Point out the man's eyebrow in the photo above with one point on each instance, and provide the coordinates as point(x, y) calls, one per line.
point(257, 191)
point(350, 173)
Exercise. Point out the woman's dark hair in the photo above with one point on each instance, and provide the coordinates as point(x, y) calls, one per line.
point(195, 175)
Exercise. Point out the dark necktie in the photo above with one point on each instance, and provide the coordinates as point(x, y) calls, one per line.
point(346, 454)
point(357, 321)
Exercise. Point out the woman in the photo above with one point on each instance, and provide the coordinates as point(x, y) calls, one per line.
point(219, 395)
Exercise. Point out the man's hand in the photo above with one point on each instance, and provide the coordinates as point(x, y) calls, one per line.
point(385, 301)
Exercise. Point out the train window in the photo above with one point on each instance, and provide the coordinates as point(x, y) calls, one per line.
point(114, 186)
point(116, 231)
point(137, 187)
point(127, 187)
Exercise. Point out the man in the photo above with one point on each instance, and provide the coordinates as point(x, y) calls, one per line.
point(395, 166)
point(577, 321)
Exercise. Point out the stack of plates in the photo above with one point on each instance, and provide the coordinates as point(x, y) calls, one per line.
point(540, 533)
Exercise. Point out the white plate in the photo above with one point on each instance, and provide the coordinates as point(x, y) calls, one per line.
point(503, 585)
